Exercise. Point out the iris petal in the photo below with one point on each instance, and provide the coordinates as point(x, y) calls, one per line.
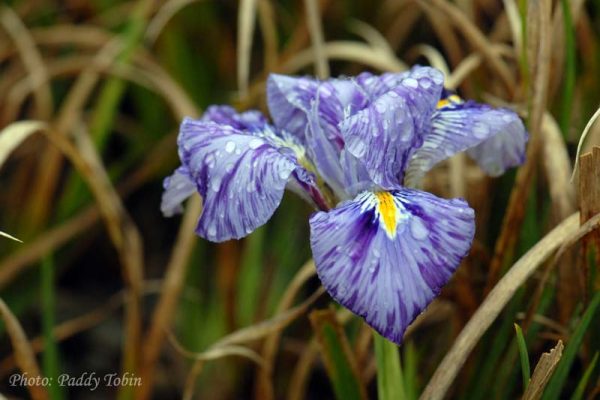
point(384, 134)
point(386, 255)
point(241, 175)
point(252, 121)
point(312, 111)
point(178, 187)
point(289, 99)
point(495, 138)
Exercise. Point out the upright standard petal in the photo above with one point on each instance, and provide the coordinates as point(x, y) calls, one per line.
point(386, 255)
point(241, 176)
point(249, 121)
point(384, 134)
point(289, 100)
point(495, 138)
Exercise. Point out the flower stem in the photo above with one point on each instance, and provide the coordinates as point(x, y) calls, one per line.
point(390, 385)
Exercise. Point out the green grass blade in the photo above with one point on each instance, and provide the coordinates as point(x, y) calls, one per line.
point(390, 385)
point(580, 390)
point(570, 66)
point(337, 355)
point(250, 277)
point(524, 355)
point(558, 380)
point(50, 358)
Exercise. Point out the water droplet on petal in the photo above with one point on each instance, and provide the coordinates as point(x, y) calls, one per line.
point(284, 174)
point(359, 148)
point(425, 83)
point(417, 229)
point(410, 82)
point(480, 131)
point(230, 147)
point(212, 230)
point(215, 184)
point(210, 160)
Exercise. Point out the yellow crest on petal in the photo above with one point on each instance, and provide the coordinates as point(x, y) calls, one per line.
point(388, 212)
point(452, 99)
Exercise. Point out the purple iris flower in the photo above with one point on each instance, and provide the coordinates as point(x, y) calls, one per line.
point(356, 149)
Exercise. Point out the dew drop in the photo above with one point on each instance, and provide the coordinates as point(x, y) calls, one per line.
point(480, 131)
point(210, 160)
point(215, 184)
point(425, 83)
point(507, 117)
point(359, 148)
point(417, 229)
point(283, 174)
point(212, 230)
point(230, 147)
point(410, 82)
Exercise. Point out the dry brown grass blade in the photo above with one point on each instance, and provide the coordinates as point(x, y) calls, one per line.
point(172, 286)
point(264, 328)
point(589, 204)
point(442, 26)
point(266, 21)
point(14, 134)
point(557, 168)
point(493, 305)
point(300, 375)
point(6, 235)
point(214, 354)
point(44, 244)
point(315, 29)
point(81, 36)
point(23, 353)
point(297, 386)
point(404, 19)
point(347, 51)
point(192, 378)
point(163, 16)
point(245, 335)
point(542, 372)
point(57, 236)
point(435, 58)
point(264, 388)
point(476, 38)
point(31, 59)
point(89, 320)
point(320, 319)
point(469, 64)
point(514, 22)
point(371, 36)
point(122, 231)
point(539, 46)
point(586, 130)
point(246, 18)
